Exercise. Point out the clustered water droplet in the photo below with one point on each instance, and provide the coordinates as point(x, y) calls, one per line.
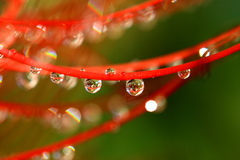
point(110, 71)
point(184, 74)
point(135, 87)
point(92, 85)
point(56, 77)
point(35, 70)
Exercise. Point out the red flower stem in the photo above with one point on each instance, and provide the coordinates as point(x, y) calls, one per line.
point(141, 65)
point(119, 76)
point(109, 126)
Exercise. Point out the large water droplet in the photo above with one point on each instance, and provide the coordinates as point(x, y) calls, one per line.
point(110, 71)
point(74, 37)
point(7, 37)
point(35, 70)
point(56, 77)
point(92, 113)
point(55, 34)
point(26, 80)
point(44, 55)
point(146, 15)
point(92, 85)
point(135, 87)
point(65, 122)
point(69, 82)
point(35, 35)
point(184, 74)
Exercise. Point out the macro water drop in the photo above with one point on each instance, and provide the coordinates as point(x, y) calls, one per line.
point(92, 85)
point(56, 77)
point(135, 87)
point(184, 74)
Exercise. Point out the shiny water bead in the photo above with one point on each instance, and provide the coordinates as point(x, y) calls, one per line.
point(204, 52)
point(35, 34)
point(184, 74)
point(146, 15)
point(92, 85)
point(56, 77)
point(35, 70)
point(69, 82)
point(27, 80)
point(7, 33)
point(1, 56)
point(135, 87)
point(173, 1)
point(110, 71)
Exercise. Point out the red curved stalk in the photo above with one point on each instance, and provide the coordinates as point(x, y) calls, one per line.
point(109, 126)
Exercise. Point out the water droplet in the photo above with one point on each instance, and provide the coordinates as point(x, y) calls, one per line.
point(92, 85)
point(67, 153)
point(184, 74)
point(64, 122)
point(43, 156)
point(69, 82)
point(26, 80)
point(56, 77)
point(173, 1)
point(146, 15)
point(7, 37)
point(35, 70)
point(123, 73)
point(92, 113)
point(74, 39)
point(204, 52)
point(135, 87)
point(55, 34)
point(83, 70)
point(37, 53)
point(110, 71)
point(3, 115)
point(35, 35)
point(1, 56)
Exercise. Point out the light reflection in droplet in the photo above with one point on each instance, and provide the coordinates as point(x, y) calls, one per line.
point(184, 74)
point(204, 52)
point(27, 80)
point(69, 82)
point(74, 113)
point(135, 87)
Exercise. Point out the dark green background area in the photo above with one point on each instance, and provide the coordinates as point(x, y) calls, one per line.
point(201, 121)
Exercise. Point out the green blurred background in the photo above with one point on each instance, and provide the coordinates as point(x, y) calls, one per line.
point(201, 121)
